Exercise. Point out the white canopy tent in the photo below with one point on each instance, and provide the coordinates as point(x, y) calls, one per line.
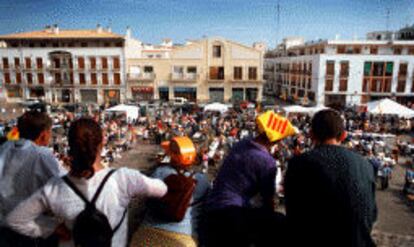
point(387, 106)
point(132, 112)
point(218, 107)
point(301, 109)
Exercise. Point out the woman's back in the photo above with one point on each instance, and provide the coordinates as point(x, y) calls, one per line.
point(56, 196)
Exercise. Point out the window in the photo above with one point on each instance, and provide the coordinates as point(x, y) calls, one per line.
point(58, 78)
point(217, 73)
point(367, 68)
point(373, 50)
point(238, 73)
point(104, 63)
point(18, 78)
point(378, 69)
point(117, 79)
point(7, 78)
point(412, 86)
point(81, 63)
point(39, 62)
point(28, 62)
point(401, 86)
point(192, 70)
point(56, 62)
point(107, 44)
point(29, 78)
point(329, 85)
point(116, 63)
point(389, 69)
point(411, 51)
point(105, 79)
point(357, 49)
point(40, 78)
point(82, 78)
point(330, 68)
point(94, 79)
point(340, 49)
point(178, 70)
point(93, 62)
point(343, 85)
point(252, 73)
point(17, 62)
point(309, 83)
point(5, 63)
point(402, 72)
point(148, 69)
point(217, 51)
point(365, 85)
point(84, 44)
point(344, 69)
point(397, 50)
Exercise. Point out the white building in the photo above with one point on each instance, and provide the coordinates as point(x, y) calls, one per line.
point(63, 66)
point(342, 71)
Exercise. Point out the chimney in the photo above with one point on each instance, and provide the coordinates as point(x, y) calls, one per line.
point(99, 28)
point(109, 29)
point(48, 29)
point(55, 29)
point(128, 32)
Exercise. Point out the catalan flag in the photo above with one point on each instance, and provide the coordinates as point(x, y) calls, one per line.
point(13, 134)
point(276, 127)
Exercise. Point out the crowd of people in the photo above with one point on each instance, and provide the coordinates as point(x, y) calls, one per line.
point(61, 163)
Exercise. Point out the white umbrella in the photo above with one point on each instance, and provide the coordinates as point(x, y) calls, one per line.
point(387, 106)
point(218, 107)
point(132, 112)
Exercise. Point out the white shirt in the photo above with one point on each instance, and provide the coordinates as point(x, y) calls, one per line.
point(56, 196)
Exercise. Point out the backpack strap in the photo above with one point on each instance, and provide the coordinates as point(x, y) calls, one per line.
point(120, 222)
point(99, 190)
point(80, 194)
point(75, 189)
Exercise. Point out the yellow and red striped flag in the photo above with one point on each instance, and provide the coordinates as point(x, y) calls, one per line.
point(275, 126)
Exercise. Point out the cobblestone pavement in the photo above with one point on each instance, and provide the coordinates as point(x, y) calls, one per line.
point(395, 225)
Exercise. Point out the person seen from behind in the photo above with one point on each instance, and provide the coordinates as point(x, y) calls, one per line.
point(248, 172)
point(26, 164)
point(330, 190)
point(88, 186)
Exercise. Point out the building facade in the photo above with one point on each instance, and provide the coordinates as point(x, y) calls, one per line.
point(340, 72)
point(63, 66)
point(206, 70)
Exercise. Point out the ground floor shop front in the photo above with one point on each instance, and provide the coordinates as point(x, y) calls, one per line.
point(209, 94)
point(17, 93)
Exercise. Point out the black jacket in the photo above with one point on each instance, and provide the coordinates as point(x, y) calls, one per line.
point(330, 198)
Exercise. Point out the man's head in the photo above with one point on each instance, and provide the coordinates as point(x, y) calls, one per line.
point(328, 127)
point(35, 126)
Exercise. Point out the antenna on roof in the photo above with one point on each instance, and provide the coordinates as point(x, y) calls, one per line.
point(277, 21)
point(387, 20)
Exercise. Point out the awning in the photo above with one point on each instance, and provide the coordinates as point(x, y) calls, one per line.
point(142, 89)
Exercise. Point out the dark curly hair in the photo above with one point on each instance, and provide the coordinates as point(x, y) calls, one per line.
point(85, 139)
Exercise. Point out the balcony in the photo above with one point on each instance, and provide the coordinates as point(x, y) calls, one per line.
point(141, 77)
point(182, 77)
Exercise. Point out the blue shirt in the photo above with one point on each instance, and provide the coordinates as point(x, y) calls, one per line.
point(24, 168)
point(191, 222)
point(247, 171)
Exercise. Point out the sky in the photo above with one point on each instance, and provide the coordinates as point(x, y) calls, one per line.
point(239, 20)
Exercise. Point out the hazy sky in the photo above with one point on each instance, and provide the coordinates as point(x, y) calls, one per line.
point(240, 20)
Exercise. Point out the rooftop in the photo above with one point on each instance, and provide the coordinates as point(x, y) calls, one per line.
point(63, 34)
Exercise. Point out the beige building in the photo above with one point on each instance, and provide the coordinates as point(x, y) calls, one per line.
point(211, 69)
point(63, 66)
